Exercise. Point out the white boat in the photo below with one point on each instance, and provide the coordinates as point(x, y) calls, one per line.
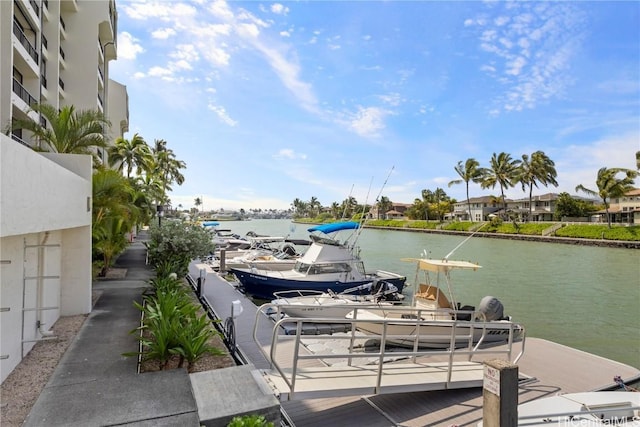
point(310, 303)
point(429, 320)
point(328, 263)
point(266, 252)
point(595, 408)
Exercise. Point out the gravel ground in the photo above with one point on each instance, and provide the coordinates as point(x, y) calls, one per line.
point(22, 387)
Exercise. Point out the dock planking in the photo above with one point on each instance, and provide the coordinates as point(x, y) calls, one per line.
point(546, 369)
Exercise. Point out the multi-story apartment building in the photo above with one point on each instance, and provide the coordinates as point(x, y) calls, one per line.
point(55, 52)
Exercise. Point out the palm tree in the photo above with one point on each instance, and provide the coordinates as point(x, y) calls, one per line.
point(132, 153)
point(384, 205)
point(335, 210)
point(537, 169)
point(502, 171)
point(197, 202)
point(166, 167)
point(314, 206)
point(610, 186)
point(69, 131)
point(470, 171)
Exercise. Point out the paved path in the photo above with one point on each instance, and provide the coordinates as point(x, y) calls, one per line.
point(94, 385)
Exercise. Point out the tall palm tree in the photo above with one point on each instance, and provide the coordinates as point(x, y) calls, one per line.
point(538, 168)
point(197, 202)
point(335, 210)
point(384, 205)
point(610, 186)
point(132, 153)
point(69, 131)
point(314, 206)
point(166, 167)
point(502, 171)
point(470, 171)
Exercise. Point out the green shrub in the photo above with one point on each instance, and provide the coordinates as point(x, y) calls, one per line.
point(250, 421)
point(589, 231)
point(193, 339)
point(459, 226)
point(424, 225)
point(177, 244)
point(163, 324)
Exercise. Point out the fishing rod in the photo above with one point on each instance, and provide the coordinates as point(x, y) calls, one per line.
point(362, 219)
point(464, 241)
point(346, 205)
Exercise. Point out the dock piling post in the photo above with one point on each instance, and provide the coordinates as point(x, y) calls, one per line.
point(500, 394)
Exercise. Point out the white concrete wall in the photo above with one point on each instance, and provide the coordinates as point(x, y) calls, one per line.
point(37, 194)
point(45, 245)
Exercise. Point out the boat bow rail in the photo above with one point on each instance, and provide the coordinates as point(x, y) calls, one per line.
point(350, 366)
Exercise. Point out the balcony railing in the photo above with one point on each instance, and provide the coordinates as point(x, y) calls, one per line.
point(35, 7)
point(61, 83)
point(62, 24)
point(20, 140)
point(17, 31)
point(19, 90)
point(62, 53)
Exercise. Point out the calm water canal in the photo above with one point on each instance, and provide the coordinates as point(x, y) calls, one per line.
point(580, 296)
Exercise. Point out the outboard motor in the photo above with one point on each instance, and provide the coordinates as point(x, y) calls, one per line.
point(289, 250)
point(492, 308)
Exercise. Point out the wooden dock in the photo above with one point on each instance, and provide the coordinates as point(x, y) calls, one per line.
point(546, 369)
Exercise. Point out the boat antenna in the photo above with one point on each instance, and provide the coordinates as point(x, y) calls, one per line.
point(344, 212)
point(362, 219)
point(464, 241)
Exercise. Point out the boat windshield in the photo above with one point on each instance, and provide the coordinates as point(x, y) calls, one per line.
point(360, 267)
point(335, 267)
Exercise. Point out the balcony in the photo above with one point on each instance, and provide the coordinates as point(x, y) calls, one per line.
point(24, 41)
point(19, 90)
point(35, 7)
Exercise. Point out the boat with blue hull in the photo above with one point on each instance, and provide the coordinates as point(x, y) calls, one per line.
point(330, 263)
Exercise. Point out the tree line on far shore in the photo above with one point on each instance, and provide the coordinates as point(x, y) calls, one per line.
point(504, 172)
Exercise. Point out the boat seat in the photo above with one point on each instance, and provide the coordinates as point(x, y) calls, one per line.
point(431, 293)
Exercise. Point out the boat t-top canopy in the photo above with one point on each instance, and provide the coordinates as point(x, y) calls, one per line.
point(442, 265)
point(335, 226)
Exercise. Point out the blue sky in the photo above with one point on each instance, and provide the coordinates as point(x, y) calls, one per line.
point(267, 102)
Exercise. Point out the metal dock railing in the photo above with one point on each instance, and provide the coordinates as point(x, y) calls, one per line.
point(297, 373)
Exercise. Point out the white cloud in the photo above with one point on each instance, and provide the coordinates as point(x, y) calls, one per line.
point(185, 52)
point(163, 33)
point(288, 153)
point(393, 99)
point(279, 9)
point(368, 122)
point(159, 72)
point(529, 51)
point(157, 9)
point(128, 46)
point(221, 112)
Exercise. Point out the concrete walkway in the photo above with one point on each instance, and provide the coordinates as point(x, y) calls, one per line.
point(94, 385)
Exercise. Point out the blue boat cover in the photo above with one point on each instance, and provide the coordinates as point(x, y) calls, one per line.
point(335, 226)
point(210, 223)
